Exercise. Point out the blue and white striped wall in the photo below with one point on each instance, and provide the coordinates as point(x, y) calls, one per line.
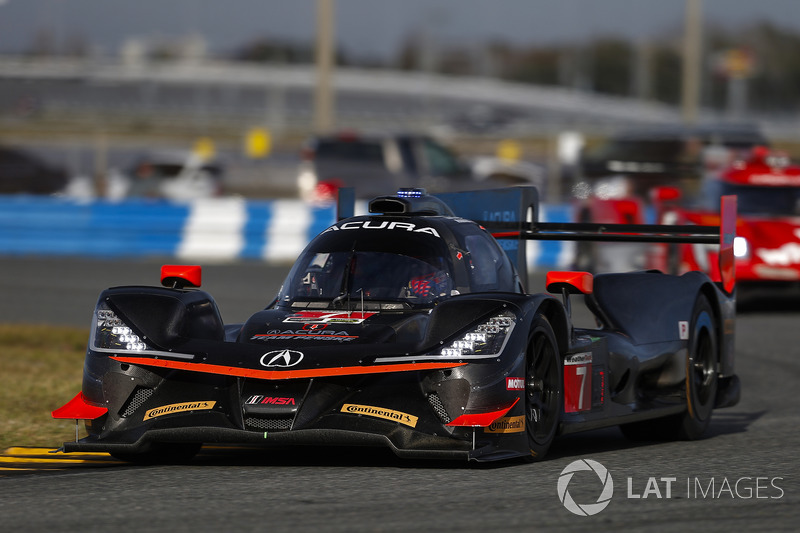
point(221, 229)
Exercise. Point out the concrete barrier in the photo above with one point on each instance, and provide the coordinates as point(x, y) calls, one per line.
point(221, 229)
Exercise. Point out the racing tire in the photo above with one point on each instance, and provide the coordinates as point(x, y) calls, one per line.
point(700, 385)
point(543, 388)
point(162, 453)
point(701, 372)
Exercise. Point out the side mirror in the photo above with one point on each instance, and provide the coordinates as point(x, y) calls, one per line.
point(181, 276)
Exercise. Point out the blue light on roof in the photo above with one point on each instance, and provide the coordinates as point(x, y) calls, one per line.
point(410, 193)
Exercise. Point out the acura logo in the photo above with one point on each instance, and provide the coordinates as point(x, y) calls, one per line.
point(282, 358)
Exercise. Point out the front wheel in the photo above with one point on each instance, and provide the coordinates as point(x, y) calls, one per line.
point(543, 386)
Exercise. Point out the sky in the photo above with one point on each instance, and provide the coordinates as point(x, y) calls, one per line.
point(367, 28)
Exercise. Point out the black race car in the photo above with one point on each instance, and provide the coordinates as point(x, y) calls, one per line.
point(411, 328)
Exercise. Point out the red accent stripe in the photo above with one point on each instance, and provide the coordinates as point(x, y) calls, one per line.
point(79, 409)
point(505, 234)
point(481, 419)
point(282, 374)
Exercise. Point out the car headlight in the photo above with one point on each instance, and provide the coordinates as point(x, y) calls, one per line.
point(485, 340)
point(741, 247)
point(111, 334)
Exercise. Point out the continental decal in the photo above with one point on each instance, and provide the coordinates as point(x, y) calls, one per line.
point(509, 424)
point(380, 412)
point(178, 408)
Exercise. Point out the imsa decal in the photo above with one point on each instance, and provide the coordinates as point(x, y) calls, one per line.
point(269, 400)
point(380, 412)
point(508, 424)
point(178, 408)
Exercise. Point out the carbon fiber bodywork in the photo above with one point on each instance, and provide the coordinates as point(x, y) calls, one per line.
point(447, 375)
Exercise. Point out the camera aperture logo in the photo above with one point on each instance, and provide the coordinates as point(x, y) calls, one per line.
point(664, 487)
point(586, 509)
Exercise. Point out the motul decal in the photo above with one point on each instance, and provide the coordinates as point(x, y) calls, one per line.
point(511, 424)
point(269, 400)
point(178, 408)
point(327, 317)
point(380, 412)
point(515, 383)
point(383, 224)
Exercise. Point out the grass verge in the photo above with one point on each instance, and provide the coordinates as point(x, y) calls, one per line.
point(41, 368)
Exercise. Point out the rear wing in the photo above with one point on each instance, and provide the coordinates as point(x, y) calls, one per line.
point(512, 216)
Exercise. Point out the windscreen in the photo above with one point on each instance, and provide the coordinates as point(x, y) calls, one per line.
point(342, 267)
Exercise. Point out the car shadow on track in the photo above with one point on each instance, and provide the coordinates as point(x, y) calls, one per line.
point(575, 445)
point(764, 304)
point(327, 456)
point(611, 439)
point(729, 422)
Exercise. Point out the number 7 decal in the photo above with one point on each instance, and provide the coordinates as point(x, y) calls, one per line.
point(578, 382)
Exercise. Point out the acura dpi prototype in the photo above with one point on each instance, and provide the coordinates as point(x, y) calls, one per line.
point(412, 328)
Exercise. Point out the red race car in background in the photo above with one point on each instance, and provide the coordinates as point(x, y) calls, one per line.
point(767, 246)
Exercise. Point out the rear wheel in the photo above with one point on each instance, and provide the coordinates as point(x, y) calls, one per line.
point(543, 385)
point(701, 372)
point(701, 384)
point(162, 453)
